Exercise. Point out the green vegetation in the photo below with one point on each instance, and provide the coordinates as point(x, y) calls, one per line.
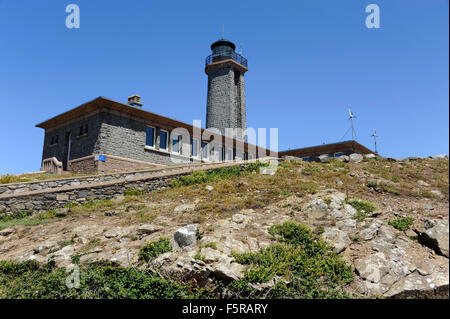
point(27, 219)
point(6, 179)
point(199, 177)
point(23, 178)
point(402, 223)
point(102, 280)
point(154, 249)
point(362, 208)
point(307, 265)
point(211, 244)
point(134, 191)
point(199, 255)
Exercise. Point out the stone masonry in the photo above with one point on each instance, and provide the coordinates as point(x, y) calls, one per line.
point(44, 195)
point(226, 97)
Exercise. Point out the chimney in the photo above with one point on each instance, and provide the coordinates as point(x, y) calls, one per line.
point(135, 100)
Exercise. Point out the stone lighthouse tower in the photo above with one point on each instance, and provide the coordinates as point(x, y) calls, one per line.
point(226, 93)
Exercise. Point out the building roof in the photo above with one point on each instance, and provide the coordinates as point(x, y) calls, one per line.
point(101, 103)
point(326, 148)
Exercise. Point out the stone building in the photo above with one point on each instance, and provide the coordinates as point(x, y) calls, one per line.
point(103, 135)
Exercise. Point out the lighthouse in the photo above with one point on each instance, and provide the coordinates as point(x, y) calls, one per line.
point(226, 91)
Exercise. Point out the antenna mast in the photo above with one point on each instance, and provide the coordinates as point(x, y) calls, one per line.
point(352, 117)
point(374, 135)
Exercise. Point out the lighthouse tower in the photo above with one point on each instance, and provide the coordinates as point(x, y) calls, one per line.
point(226, 93)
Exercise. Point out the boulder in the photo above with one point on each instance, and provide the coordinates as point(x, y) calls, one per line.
point(436, 236)
point(6, 231)
point(114, 233)
point(347, 225)
point(420, 286)
point(324, 158)
point(228, 271)
point(147, 229)
point(184, 208)
point(209, 187)
point(372, 267)
point(46, 247)
point(371, 231)
point(240, 218)
point(436, 192)
point(355, 158)
point(422, 183)
point(370, 156)
point(186, 236)
point(439, 157)
point(337, 238)
point(343, 158)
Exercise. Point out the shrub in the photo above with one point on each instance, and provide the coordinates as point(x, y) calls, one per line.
point(308, 265)
point(402, 223)
point(362, 208)
point(102, 280)
point(154, 249)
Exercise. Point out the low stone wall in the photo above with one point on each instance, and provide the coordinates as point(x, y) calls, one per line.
point(20, 188)
point(61, 197)
point(42, 200)
point(112, 164)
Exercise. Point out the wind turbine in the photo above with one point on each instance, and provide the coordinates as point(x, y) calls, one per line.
point(351, 118)
point(374, 135)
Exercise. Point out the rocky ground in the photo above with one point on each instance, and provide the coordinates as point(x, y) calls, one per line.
point(208, 222)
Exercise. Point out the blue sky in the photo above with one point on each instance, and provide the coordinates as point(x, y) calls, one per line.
point(309, 61)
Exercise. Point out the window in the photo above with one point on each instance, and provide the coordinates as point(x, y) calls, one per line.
point(216, 152)
point(219, 153)
point(176, 143)
point(229, 155)
point(54, 140)
point(83, 130)
point(205, 151)
point(150, 138)
point(194, 147)
point(163, 139)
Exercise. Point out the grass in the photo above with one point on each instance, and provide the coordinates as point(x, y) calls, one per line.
point(134, 191)
point(307, 264)
point(212, 245)
point(402, 223)
point(26, 219)
point(91, 206)
point(153, 249)
point(363, 208)
point(199, 177)
point(23, 178)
